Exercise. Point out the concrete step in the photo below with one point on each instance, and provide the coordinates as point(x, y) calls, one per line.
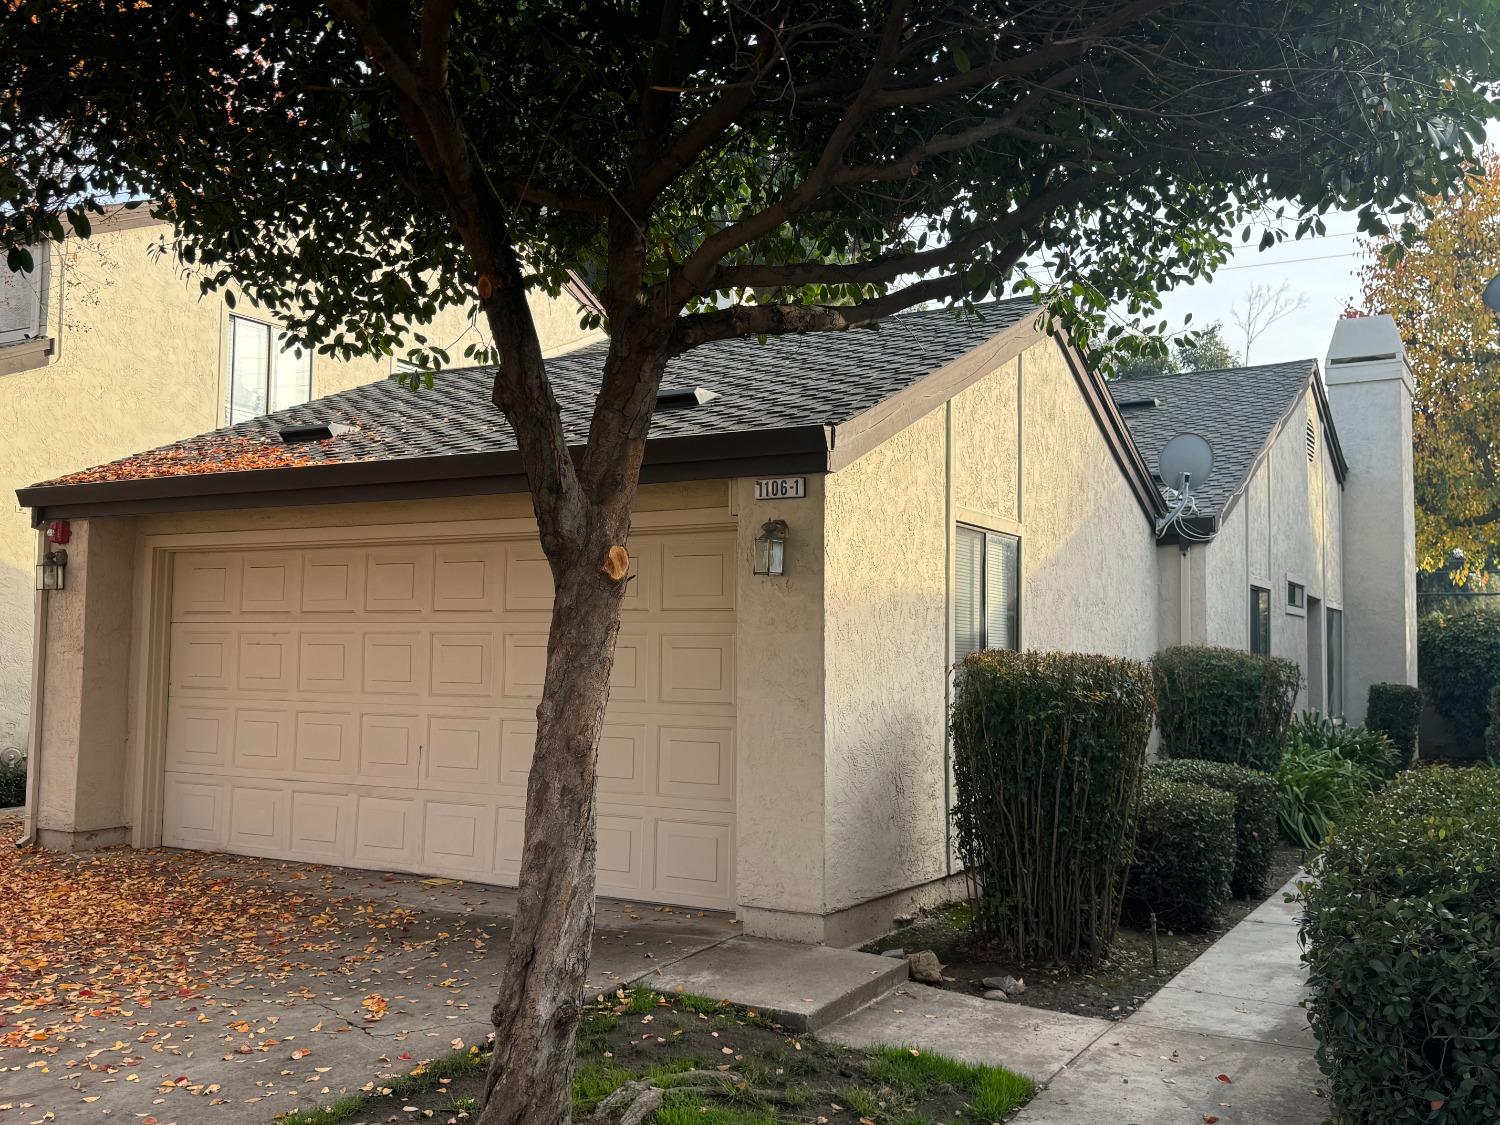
point(804, 987)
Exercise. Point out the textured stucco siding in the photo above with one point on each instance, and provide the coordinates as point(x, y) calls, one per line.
point(1017, 452)
point(139, 359)
point(886, 658)
point(1227, 585)
point(1088, 553)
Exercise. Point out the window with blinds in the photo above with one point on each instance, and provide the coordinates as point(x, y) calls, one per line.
point(264, 376)
point(1260, 620)
point(1335, 663)
point(986, 601)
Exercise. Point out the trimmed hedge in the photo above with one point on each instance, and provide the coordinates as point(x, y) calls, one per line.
point(1224, 705)
point(1184, 855)
point(1403, 948)
point(1048, 752)
point(1255, 827)
point(12, 784)
point(1395, 710)
point(1459, 657)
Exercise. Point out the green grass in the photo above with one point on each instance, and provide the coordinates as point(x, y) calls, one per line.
point(639, 1001)
point(331, 1114)
point(691, 1113)
point(422, 1077)
point(861, 1102)
point(594, 1081)
point(994, 1091)
point(702, 1004)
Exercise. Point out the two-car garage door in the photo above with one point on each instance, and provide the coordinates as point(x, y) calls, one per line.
point(375, 706)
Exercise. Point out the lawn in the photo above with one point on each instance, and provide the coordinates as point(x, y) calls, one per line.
point(715, 1065)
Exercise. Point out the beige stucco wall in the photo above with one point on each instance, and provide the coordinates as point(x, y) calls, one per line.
point(1017, 452)
point(139, 358)
point(1286, 526)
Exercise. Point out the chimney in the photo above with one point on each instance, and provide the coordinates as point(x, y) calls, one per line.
point(1370, 388)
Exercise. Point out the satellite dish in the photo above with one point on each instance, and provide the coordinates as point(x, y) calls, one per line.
point(1185, 461)
point(1492, 295)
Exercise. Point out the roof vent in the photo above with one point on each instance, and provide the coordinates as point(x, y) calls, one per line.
point(674, 398)
point(320, 431)
point(1139, 403)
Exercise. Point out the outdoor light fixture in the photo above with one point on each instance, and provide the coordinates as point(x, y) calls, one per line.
point(51, 571)
point(770, 549)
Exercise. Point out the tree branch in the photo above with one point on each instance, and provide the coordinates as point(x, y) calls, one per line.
point(437, 34)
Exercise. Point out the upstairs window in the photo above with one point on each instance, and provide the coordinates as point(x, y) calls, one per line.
point(986, 591)
point(1335, 663)
point(264, 375)
point(1296, 595)
point(23, 301)
point(1260, 620)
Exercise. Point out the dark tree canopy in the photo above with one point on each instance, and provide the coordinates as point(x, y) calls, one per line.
point(1204, 350)
point(829, 153)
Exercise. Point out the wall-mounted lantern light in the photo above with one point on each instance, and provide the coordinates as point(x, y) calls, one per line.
point(770, 549)
point(51, 572)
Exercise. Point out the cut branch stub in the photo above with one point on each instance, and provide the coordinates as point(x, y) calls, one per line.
point(616, 564)
point(486, 287)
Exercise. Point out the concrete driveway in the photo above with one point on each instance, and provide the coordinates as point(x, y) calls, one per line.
point(176, 987)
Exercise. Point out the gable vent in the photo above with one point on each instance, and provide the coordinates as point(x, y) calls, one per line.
point(675, 398)
point(317, 432)
point(1312, 441)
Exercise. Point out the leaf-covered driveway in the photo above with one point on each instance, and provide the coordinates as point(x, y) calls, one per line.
point(183, 987)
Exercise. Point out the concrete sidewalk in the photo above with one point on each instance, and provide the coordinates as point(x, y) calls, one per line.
point(1226, 1039)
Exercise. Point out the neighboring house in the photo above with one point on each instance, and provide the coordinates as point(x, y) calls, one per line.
point(107, 347)
point(337, 658)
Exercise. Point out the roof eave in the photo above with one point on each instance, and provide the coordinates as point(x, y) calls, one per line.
point(795, 449)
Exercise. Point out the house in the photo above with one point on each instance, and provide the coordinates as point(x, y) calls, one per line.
point(108, 347)
point(336, 657)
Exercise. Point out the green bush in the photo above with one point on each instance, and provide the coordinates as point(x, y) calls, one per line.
point(1048, 751)
point(1459, 657)
point(1224, 705)
point(1184, 855)
point(1255, 826)
point(1403, 948)
point(12, 784)
point(1326, 776)
point(1395, 710)
point(1492, 732)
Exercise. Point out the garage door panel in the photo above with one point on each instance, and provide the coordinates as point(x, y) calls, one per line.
point(325, 743)
point(394, 663)
point(198, 737)
point(266, 661)
point(262, 740)
point(270, 583)
point(258, 819)
point(468, 578)
point(333, 581)
point(398, 580)
point(389, 746)
point(322, 824)
point(202, 659)
point(374, 705)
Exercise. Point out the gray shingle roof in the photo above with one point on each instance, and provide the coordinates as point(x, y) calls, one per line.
point(1237, 410)
point(789, 381)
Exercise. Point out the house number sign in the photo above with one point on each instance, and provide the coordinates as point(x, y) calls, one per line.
point(781, 488)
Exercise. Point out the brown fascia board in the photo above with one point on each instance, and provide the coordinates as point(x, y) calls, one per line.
point(797, 449)
point(859, 435)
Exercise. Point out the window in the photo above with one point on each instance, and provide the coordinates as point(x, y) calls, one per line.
point(1335, 663)
point(986, 591)
point(1260, 620)
point(23, 300)
point(264, 376)
point(1296, 595)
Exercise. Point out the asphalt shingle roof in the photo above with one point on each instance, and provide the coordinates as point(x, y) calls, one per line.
point(789, 381)
point(1237, 410)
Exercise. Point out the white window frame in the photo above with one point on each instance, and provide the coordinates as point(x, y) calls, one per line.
point(274, 349)
point(961, 526)
point(1286, 593)
point(40, 279)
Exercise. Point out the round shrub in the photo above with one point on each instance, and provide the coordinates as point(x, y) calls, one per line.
point(1326, 777)
point(12, 784)
point(1048, 751)
point(1184, 855)
point(1255, 826)
point(1459, 657)
point(1403, 948)
point(1224, 705)
point(1395, 710)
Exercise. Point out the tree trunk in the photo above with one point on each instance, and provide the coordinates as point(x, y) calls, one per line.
point(536, 1013)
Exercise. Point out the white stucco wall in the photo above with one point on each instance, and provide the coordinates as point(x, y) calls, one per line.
point(139, 359)
point(1017, 452)
point(1285, 526)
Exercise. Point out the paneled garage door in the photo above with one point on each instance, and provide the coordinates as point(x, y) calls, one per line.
point(375, 706)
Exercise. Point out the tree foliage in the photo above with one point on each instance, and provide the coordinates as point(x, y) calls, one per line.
point(1432, 284)
point(1204, 350)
